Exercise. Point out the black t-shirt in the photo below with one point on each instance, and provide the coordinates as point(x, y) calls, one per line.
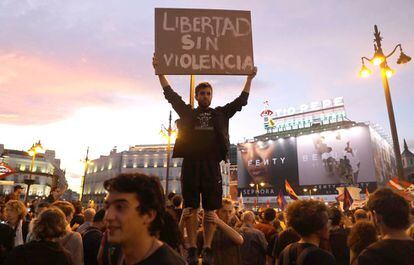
point(39, 253)
point(204, 134)
point(314, 256)
point(163, 256)
point(91, 242)
point(388, 251)
point(338, 244)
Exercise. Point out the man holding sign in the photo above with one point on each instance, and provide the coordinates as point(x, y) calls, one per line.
point(203, 142)
point(203, 42)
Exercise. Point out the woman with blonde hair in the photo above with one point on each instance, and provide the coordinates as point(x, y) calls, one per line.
point(15, 213)
point(47, 228)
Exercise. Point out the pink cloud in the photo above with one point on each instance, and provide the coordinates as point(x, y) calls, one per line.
point(37, 90)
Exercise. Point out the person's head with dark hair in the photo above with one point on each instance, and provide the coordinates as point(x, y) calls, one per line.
point(360, 215)
point(134, 207)
point(269, 215)
point(225, 213)
point(308, 218)
point(170, 195)
point(390, 211)
point(98, 220)
point(78, 207)
point(50, 224)
point(40, 207)
point(204, 94)
point(177, 200)
point(335, 215)
point(17, 189)
point(362, 235)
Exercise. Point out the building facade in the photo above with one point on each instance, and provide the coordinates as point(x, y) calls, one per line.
point(46, 172)
point(147, 159)
point(408, 163)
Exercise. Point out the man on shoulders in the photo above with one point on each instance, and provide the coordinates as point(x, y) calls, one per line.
point(203, 142)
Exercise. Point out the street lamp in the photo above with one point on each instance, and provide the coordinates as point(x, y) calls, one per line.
point(35, 149)
point(169, 134)
point(380, 60)
point(262, 184)
point(87, 163)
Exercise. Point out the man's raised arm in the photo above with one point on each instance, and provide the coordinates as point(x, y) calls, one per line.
point(163, 79)
point(236, 105)
point(173, 98)
point(249, 79)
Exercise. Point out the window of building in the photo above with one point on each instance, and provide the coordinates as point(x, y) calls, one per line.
point(129, 164)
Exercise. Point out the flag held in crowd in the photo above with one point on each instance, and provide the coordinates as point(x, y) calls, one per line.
point(347, 199)
point(281, 200)
point(290, 191)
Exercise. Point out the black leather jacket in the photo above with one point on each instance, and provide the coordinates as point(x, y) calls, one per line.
point(221, 116)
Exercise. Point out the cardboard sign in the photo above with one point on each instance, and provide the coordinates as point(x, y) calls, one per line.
point(203, 42)
point(5, 170)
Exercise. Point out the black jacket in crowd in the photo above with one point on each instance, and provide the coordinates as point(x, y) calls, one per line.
point(221, 116)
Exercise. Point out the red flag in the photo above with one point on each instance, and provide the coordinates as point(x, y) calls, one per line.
point(347, 200)
point(281, 200)
point(290, 191)
point(366, 192)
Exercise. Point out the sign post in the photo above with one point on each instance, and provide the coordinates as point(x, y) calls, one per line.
point(5, 170)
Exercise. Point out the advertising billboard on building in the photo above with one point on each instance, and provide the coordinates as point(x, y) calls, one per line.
point(324, 160)
point(331, 157)
point(270, 162)
point(384, 159)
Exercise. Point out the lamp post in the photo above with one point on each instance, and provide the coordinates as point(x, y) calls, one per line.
point(262, 184)
point(35, 149)
point(380, 59)
point(168, 133)
point(85, 171)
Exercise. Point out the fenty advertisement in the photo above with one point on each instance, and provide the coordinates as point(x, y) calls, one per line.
point(341, 156)
point(270, 162)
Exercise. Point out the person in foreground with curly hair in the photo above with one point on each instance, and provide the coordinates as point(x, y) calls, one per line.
point(310, 220)
point(134, 210)
point(48, 228)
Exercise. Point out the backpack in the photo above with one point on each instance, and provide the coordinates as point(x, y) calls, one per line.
point(301, 258)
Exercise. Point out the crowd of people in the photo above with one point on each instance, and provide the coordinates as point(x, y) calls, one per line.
point(139, 225)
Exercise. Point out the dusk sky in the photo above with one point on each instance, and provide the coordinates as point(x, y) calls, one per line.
point(78, 73)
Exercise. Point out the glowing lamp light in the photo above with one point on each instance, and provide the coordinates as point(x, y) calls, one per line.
point(388, 71)
point(378, 60)
point(364, 72)
point(262, 184)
